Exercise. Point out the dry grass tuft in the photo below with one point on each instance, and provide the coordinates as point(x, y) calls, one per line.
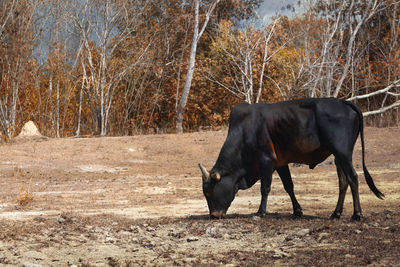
point(26, 196)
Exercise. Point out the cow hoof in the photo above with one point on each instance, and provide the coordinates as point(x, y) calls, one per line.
point(335, 216)
point(260, 214)
point(298, 213)
point(356, 217)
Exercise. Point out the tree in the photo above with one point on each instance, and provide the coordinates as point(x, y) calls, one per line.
point(362, 30)
point(341, 47)
point(197, 33)
point(100, 30)
point(16, 47)
point(244, 55)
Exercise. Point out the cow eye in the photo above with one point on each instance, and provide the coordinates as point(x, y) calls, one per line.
point(208, 189)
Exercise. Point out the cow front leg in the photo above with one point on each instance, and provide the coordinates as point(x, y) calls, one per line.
point(343, 185)
point(266, 170)
point(286, 179)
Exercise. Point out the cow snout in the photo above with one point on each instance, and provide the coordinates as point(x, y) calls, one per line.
point(218, 214)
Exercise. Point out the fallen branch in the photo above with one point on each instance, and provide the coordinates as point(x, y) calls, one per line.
point(384, 109)
point(384, 90)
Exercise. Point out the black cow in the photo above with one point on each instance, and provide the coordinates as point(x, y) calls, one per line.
point(263, 138)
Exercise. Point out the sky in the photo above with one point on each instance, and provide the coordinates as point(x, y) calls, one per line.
point(270, 8)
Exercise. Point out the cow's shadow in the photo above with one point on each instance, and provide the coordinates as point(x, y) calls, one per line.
point(275, 215)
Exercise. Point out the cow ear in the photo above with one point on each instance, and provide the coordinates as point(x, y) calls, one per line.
point(216, 176)
point(205, 174)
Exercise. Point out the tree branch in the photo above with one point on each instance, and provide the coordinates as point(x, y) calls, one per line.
point(382, 110)
point(384, 90)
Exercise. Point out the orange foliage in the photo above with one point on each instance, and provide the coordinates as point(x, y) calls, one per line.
point(154, 61)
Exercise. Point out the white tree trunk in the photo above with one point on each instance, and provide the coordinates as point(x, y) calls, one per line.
point(192, 62)
point(371, 9)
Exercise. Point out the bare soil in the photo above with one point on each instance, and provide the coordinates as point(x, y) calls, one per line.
point(129, 201)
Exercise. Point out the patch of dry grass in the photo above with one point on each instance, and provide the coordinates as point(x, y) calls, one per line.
point(26, 196)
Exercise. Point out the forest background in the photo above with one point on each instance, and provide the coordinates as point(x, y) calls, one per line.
point(123, 67)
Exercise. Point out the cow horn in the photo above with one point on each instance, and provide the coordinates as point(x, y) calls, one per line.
point(206, 175)
point(216, 176)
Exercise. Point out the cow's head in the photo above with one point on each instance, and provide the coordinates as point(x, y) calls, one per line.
point(219, 191)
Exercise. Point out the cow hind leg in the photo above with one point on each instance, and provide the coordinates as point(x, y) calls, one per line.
point(352, 179)
point(343, 184)
point(340, 142)
point(286, 179)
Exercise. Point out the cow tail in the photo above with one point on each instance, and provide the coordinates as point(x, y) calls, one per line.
point(367, 176)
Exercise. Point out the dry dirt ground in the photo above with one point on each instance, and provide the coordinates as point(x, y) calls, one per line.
point(134, 201)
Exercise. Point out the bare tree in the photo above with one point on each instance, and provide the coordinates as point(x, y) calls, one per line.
point(197, 33)
point(6, 12)
point(325, 64)
point(351, 34)
point(370, 11)
point(100, 30)
point(243, 51)
point(16, 47)
point(329, 68)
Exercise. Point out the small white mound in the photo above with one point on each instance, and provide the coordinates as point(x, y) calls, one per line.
point(29, 130)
